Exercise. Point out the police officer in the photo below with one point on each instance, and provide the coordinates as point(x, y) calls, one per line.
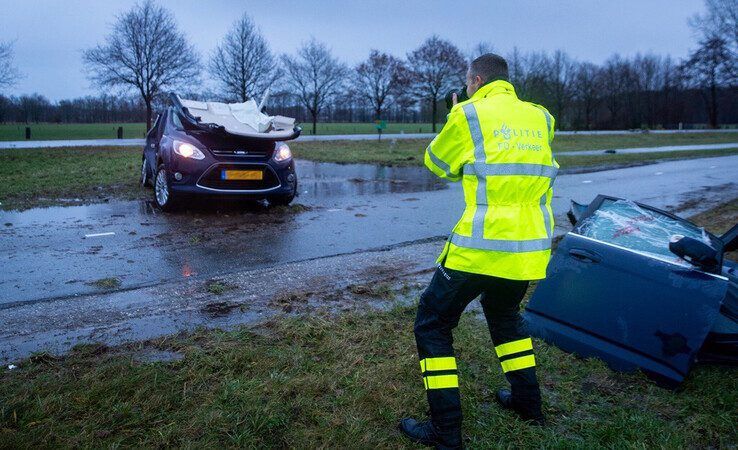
point(498, 147)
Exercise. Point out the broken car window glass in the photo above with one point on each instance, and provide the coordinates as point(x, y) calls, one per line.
point(628, 225)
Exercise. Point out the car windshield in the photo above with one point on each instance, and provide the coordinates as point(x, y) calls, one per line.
point(626, 224)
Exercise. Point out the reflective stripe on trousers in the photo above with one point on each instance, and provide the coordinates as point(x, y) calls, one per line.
point(436, 372)
point(516, 355)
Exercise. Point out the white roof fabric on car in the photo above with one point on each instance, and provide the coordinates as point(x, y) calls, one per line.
point(243, 119)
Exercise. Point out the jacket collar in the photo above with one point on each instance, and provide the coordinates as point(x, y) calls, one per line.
point(494, 88)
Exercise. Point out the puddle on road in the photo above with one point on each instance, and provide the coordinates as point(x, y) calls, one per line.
point(321, 180)
point(315, 180)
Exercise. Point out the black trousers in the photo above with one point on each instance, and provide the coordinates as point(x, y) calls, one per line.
point(439, 311)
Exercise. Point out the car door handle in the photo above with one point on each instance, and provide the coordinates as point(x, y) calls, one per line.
point(585, 255)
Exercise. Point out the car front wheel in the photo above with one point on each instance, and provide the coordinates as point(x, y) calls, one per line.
point(283, 200)
point(163, 195)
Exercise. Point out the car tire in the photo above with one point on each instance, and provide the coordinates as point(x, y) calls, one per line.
point(163, 195)
point(283, 200)
point(145, 178)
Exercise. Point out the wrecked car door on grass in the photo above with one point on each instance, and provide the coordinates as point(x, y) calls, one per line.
point(616, 291)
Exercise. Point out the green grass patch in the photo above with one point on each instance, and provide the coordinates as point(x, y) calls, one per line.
point(54, 131)
point(57, 176)
point(409, 152)
point(624, 160)
point(342, 382)
point(568, 143)
point(216, 287)
point(106, 283)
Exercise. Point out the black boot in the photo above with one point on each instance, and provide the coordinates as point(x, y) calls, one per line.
point(426, 434)
point(530, 413)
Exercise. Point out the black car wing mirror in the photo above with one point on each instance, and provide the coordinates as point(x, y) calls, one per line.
point(696, 252)
point(576, 211)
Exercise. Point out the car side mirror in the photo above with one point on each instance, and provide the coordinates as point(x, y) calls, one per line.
point(696, 252)
point(576, 211)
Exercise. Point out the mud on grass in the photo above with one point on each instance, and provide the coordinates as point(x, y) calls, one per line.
point(341, 382)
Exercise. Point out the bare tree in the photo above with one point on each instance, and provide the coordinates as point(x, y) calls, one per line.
point(518, 70)
point(315, 75)
point(587, 88)
point(720, 18)
point(720, 21)
point(481, 48)
point(378, 80)
point(436, 67)
point(615, 74)
point(242, 63)
point(558, 82)
point(9, 75)
point(145, 52)
point(528, 73)
point(706, 69)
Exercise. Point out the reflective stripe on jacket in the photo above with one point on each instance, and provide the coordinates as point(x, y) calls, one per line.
point(499, 148)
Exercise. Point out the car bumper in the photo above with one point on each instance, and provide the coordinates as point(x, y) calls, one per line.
point(278, 179)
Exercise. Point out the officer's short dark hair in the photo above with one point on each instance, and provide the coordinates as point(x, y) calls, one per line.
point(490, 67)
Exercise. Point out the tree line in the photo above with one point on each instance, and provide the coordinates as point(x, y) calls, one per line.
point(146, 55)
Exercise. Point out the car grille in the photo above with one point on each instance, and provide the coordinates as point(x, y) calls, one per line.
point(212, 178)
point(239, 153)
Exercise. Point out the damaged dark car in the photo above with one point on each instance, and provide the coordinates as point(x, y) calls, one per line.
point(219, 149)
point(640, 288)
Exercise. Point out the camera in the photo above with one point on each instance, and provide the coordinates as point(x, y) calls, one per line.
point(460, 96)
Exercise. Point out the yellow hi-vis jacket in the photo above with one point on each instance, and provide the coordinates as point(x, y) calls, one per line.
point(499, 148)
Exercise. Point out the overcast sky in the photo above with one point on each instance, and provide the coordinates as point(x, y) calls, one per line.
point(50, 35)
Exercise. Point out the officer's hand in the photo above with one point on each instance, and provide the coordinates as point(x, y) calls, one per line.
point(454, 98)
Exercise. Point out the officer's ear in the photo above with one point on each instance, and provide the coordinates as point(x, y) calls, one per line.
point(478, 81)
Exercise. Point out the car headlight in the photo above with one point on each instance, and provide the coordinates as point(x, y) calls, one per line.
point(187, 150)
point(282, 152)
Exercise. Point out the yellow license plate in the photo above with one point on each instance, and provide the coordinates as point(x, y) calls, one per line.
point(242, 175)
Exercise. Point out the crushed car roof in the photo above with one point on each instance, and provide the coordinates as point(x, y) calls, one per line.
point(241, 119)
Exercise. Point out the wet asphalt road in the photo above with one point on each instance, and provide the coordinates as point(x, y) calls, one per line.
point(53, 252)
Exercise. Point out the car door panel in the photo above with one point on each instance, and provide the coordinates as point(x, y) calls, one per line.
point(632, 309)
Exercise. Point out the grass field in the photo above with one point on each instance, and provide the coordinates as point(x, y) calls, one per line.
point(61, 176)
point(409, 152)
point(51, 131)
point(329, 381)
point(68, 175)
